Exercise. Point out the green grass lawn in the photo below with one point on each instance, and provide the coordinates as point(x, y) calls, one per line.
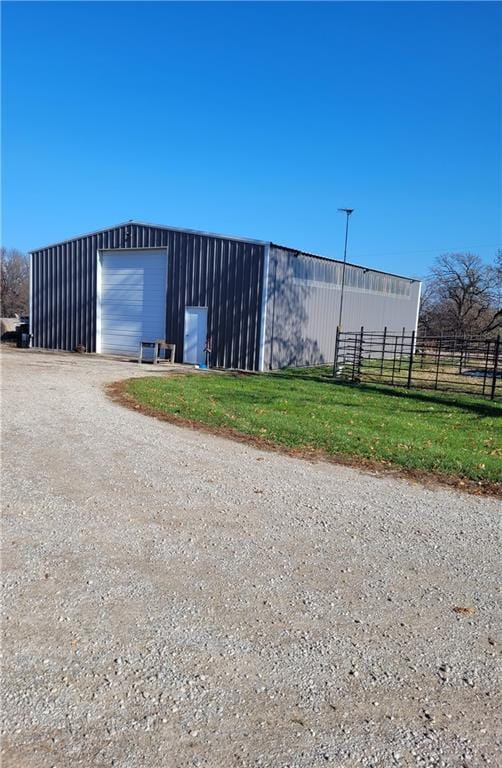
point(306, 410)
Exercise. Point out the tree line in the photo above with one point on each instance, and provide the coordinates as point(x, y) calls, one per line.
point(14, 282)
point(462, 295)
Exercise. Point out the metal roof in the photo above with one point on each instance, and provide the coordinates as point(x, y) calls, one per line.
point(340, 261)
point(202, 233)
point(184, 230)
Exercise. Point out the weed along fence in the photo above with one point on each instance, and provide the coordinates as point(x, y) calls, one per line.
point(449, 363)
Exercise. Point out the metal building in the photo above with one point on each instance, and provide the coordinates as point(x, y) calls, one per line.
point(262, 306)
point(303, 303)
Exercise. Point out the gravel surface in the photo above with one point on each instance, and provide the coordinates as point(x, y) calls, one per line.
point(175, 599)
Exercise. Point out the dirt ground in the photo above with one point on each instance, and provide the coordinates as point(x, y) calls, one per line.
point(172, 598)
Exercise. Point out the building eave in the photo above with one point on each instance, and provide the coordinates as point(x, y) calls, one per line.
point(340, 261)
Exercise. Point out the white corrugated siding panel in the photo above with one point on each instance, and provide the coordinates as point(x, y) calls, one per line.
point(304, 302)
point(133, 300)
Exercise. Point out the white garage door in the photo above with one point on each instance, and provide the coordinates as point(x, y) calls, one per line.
point(133, 300)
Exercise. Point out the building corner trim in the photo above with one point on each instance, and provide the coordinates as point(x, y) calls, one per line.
point(264, 300)
point(419, 296)
point(97, 340)
point(30, 304)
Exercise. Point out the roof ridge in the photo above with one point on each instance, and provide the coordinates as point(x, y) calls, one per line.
point(167, 227)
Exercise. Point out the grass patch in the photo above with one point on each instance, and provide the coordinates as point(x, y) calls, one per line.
point(304, 410)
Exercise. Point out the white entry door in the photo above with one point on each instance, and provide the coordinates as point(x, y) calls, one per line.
point(132, 301)
point(195, 335)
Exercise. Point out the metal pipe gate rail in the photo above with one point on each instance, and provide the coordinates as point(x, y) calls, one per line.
point(470, 365)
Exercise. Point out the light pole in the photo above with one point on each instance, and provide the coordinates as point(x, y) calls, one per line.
point(347, 211)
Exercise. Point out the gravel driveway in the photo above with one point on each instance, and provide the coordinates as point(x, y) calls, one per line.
point(176, 599)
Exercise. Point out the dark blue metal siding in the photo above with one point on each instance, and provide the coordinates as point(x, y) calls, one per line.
point(223, 274)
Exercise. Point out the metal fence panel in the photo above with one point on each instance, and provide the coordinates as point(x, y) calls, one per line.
point(471, 365)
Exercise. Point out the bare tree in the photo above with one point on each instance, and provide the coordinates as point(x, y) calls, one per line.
point(462, 295)
point(14, 282)
point(495, 274)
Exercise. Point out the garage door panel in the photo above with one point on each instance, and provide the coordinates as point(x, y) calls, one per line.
point(133, 299)
point(113, 295)
point(129, 284)
point(145, 293)
point(135, 315)
point(134, 312)
point(124, 326)
point(131, 326)
point(130, 340)
point(124, 280)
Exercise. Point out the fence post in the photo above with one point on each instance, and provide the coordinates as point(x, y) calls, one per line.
point(412, 352)
point(394, 358)
point(438, 360)
point(495, 366)
point(383, 350)
point(337, 342)
point(487, 359)
point(462, 348)
point(359, 362)
point(401, 351)
point(354, 357)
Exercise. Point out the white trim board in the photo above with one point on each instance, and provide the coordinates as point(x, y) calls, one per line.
point(30, 306)
point(264, 301)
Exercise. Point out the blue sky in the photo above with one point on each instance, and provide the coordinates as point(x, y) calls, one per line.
point(257, 119)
